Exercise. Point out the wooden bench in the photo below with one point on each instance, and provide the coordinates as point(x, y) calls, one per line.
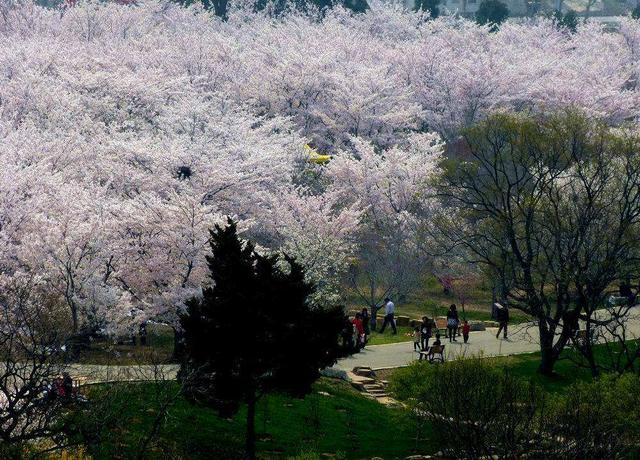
point(435, 354)
point(441, 326)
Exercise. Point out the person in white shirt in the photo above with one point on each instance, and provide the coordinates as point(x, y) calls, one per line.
point(389, 311)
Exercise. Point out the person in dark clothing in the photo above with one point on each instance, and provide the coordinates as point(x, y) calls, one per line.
point(452, 322)
point(366, 322)
point(67, 386)
point(347, 335)
point(426, 328)
point(503, 319)
point(374, 316)
point(625, 291)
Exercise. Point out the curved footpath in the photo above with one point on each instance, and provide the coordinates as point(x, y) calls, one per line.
point(522, 338)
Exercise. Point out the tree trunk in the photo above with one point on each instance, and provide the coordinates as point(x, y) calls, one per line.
point(591, 360)
point(588, 351)
point(250, 441)
point(74, 318)
point(178, 344)
point(547, 352)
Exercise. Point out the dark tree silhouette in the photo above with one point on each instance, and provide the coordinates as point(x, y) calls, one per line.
point(493, 13)
point(432, 6)
point(221, 7)
point(253, 332)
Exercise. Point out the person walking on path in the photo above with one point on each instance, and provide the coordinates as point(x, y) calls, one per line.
point(502, 312)
point(416, 339)
point(389, 312)
point(425, 333)
point(452, 322)
point(466, 328)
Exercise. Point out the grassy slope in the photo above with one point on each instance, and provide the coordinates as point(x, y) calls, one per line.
point(343, 423)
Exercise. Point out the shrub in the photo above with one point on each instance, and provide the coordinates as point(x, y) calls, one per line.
point(597, 419)
point(475, 409)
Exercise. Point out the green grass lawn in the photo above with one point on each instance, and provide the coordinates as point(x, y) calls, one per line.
point(334, 420)
point(403, 335)
point(526, 367)
point(566, 370)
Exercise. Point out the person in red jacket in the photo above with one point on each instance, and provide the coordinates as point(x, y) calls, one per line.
point(357, 322)
point(465, 331)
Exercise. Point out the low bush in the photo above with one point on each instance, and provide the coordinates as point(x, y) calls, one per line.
point(476, 410)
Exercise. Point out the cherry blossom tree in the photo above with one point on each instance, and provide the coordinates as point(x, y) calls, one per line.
point(126, 131)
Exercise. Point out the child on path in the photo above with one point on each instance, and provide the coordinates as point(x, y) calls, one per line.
point(416, 339)
point(465, 331)
point(425, 332)
point(436, 344)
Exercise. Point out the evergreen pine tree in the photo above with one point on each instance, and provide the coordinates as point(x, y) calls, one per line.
point(253, 331)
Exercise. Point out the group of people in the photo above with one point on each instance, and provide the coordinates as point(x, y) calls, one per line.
point(60, 389)
point(423, 332)
point(356, 330)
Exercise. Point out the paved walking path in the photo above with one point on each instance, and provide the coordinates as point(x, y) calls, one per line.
point(522, 338)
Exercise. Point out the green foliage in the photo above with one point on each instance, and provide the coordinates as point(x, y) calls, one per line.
point(254, 331)
point(493, 13)
point(527, 183)
point(600, 417)
point(311, 455)
point(477, 409)
point(635, 14)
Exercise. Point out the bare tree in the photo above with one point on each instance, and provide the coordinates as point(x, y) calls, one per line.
point(387, 265)
point(551, 206)
point(614, 329)
point(33, 331)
